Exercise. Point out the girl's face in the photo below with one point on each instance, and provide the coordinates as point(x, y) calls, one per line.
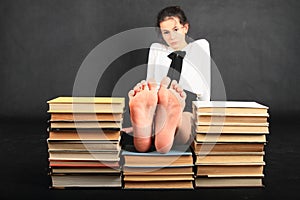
point(174, 32)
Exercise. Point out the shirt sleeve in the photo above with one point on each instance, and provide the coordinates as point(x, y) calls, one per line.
point(206, 69)
point(151, 62)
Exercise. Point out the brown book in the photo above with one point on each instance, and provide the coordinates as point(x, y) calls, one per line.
point(229, 107)
point(86, 117)
point(84, 164)
point(179, 155)
point(223, 158)
point(86, 105)
point(231, 181)
point(230, 169)
point(157, 170)
point(234, 124)
point(84, 155)
point(203, 137)
point(227, 147)
point(85, 125)
point(158, 160)
point(93, 145)
point(158, 185)
point(223, 119)
point(158, 177)
point(84, 135)
point(83, 170)
point(85, 180)
point(231, 129)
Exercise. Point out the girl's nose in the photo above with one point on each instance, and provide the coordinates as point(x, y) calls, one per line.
point(172, 34)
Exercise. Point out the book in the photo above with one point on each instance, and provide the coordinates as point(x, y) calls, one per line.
point(214, 123)
point(84, 155)
point(86, 117)
point(227, 147)
point(85, 125)
point(87, 100)
point(230, 169)
point(157, 170)
point(104, 145)
point(144, 178)
point(85, 180)
point(159, 185)
point(249, 138)
point(158, 160)
point(179, 156)
point(213, 118)
point(84, 164)
point(86, 105)
point(84, 135)
point(229, 181)
point(229, 107)
point(223, 158)
point(83, 170)
point(231, 129)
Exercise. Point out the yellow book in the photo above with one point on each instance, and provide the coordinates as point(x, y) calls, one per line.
point(86, 105)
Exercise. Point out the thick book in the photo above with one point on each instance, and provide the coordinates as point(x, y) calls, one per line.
point(83, 164)
point(227, 158)
point(177, 156)
point(212, 118)
point(144, 178)
point(159, 185)
point(85, 155)
point(232, 129)
point(83, 170)
point(187, 170)
point(214, 123)
point(229, 181)
point(227, 147)
point(230, 169)
point(256, 138)
point(94, 145)
point(86, 180)
point(84, 135)
point(86, 117)
point(86, 105)
point(229, 107)
point(85, 125)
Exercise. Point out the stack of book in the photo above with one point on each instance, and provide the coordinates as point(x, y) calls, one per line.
point(153, 170)
point(229, 143)
point(84, 141)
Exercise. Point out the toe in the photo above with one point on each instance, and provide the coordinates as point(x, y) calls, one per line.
point(131, 94)
point(138, 87)
point(165, 82)
point(183, 94)
point(174, 84)
point(176, 87)
point(179, 89)
point(144, 85)
point(152, 84)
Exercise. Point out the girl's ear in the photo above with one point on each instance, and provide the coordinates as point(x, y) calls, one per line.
point(186, 28)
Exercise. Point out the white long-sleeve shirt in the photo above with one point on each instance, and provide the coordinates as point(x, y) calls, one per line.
point(196, 66)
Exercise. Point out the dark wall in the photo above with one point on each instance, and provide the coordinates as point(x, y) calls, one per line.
point(254, 43)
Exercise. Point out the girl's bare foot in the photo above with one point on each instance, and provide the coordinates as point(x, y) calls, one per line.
point(142, 105)
point(171, 102)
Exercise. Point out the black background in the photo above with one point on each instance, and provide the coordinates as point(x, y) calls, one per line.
point(254, 43)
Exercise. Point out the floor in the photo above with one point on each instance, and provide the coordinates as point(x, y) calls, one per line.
point(24, 168)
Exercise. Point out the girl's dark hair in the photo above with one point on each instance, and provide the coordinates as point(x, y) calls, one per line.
point(171, 11)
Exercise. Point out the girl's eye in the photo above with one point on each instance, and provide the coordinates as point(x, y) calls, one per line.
point(166, 32)
point(176, 29)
